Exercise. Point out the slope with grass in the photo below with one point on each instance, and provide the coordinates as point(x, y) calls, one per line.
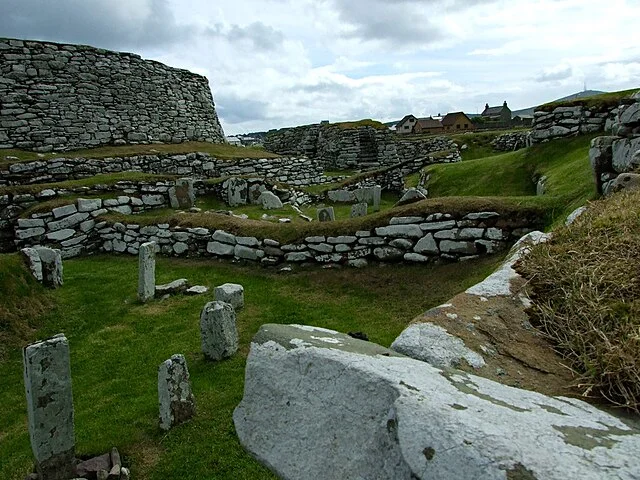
point(117, 345)
point(565, 163)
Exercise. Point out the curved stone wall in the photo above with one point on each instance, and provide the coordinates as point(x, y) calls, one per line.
point(60, 97)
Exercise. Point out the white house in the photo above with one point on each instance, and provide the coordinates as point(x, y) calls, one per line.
point(234, 141)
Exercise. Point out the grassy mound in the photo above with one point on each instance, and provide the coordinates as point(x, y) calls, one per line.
point(23, 301)
point(586, 292)
point(565, 163)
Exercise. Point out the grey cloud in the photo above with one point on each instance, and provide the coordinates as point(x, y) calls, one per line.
point(93, 22)
point(260, 36)
point(399, 22)
point(323, 87)
point(233, 108)
point(555, 75)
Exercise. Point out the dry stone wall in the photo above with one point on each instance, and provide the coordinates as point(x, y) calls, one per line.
point(512, 141)
point(619, 153)
point(60, 97)
point(570, 121)
point(421, 239)
point(292, 171)
point(362, 147)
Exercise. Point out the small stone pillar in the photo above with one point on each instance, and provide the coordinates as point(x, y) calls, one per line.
point(51, 261)
point(230, 293)
point(377, 196)
point(182, 194)
point(177, 404)
point(47, 380)
point(33, 261)
point(326, 214)
point(218, 330)
point(359, 210)
point(147, 271)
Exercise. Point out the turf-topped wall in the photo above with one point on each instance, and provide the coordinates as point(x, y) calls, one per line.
point(60, 97)
point(293, 171)
point(76, 229)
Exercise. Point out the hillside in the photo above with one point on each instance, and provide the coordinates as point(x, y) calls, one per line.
point(573, 96)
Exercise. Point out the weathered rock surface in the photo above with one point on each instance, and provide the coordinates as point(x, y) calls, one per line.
point(410, 196)
point(182, 194)
point(218, 330)
point(52, 271)
point(33, 261)
point(175, 398)
point(177, 286)
point(319, 404)
point(326, 214)
point(230, 293)
point(147, 271)
point(269, 201)
point(432, 344)
point(47, 380)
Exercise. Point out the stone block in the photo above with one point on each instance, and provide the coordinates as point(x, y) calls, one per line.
point(269, 201)
point(359, 210)
point(147, 271)
point(52, 271)
point(47, 379)
point(218, 330)
point(230, 293)
point(175, 398)
point(182, 194)
point(326, 214)
point(33, 261)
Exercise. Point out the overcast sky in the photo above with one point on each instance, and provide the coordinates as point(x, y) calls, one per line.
point(277, 63)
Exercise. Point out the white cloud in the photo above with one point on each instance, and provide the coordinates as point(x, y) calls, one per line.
point(274, 63)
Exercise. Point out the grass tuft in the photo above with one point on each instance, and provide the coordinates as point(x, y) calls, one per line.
point(586, 296)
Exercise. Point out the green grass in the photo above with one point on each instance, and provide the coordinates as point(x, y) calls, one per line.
point(117, 345)
point(565, 162)
point(601, 102)
point(221, 151)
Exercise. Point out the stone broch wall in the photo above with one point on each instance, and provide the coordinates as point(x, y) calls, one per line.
point(60, 97)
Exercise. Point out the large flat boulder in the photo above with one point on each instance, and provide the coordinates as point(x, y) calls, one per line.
point(320, 404)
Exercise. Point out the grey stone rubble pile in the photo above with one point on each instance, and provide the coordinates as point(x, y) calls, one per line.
point(175, 398)
point(421, 239)
point(57, 97)
point(511, 141)
point(320, 404)
point(107, 467)
point(612, 156)
point(570, 121)
point(218, 330)
point(293, 171)
point(45, 265)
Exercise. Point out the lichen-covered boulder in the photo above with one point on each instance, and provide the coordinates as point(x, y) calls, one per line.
point(320, 404)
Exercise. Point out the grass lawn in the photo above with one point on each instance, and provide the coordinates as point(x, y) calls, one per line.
point(219, 150)
point(117, 345)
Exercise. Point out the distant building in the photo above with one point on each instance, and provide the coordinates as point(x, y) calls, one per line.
point(500, 115)
point(234, 141)
point(427, 125)
point(405, 126)
point(457, 122)
point(522, 120)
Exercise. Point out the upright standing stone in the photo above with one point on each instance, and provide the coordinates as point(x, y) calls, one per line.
point(237, 191)
point(359, 210)
point(51, 262)
point(177, 404)
point(33, 262)
point(218, 330)
point(47, 380)
point(326, 214)
point(182, 194)
point(147, 271)
point(377, 195)
point(230, 293)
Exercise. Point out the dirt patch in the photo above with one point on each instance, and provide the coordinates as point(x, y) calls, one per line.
point(516, 354)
